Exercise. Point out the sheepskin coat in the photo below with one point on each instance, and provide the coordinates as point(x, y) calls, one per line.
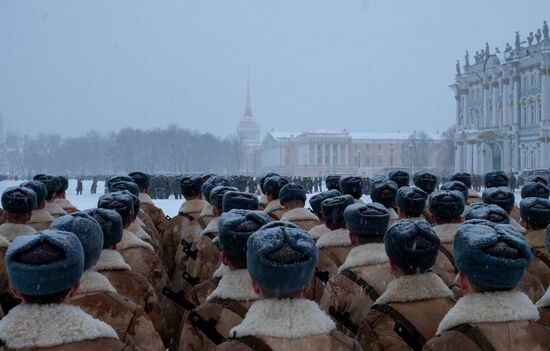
point(538, 266)
point(41, 219)
point(332, 248)
point(145, 224)
point(289, 324)
point(132, 286)
point(10, 231)
point(302, 217)
point(200, 292)
point(206, 215)
point(227, 304)
point(368, 262)
point(422, 299)
point(506, 320)
point(318, 231)
point(30, 327)
point(208, 253)
point(66, 205)
point(262, 202)
point(4, 281)
point(544, 308)
point(97, 297)
point(54, 209)
point(275, 210)
point(156, 214)
point(515, 214)
point(473, 197)
point(444, 265)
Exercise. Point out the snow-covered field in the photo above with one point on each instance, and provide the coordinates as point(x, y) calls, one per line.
point(87, 200)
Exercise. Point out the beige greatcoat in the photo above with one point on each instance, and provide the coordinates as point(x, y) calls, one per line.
point(275, 210)
point(41, 219)
point(302, 217)
point(66, 205)
point(540, 266)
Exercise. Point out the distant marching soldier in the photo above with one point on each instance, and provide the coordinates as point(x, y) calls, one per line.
point(293, 198)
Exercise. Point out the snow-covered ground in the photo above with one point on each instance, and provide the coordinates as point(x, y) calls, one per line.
point(87, 200)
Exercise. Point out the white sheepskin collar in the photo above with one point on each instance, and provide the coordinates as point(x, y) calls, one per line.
point(212, 226)
point(138, 219)
point(235, 285)
point(516, 225)
point(338, 237)
point(139, 231)
point(263, 199)
point(417, 287)
point(365, 255)
point(535, 238)
point(193, 206)
point(93, 282)
point(274, 205)
point(54, 209)
point(4, 243)
point(111, 260)
point(42, 326)
point(207, 211)
point(299, 214)
point(221, 271)
point(64, 203)
point(130, 240)
point(393, 215)
point(10, 231)
point(545, 300)
point(473, 193)
point(41, 215)
point(489, 307)
point(284, 318)
point(318, 231)
point(447, 231)
point(145, 199)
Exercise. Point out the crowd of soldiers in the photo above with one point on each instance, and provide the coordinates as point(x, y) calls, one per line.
point(420, 266)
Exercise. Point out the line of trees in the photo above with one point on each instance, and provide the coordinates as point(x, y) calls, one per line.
point(172, 149)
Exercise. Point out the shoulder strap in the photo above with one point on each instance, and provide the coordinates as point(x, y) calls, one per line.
point(403, 327)
point(367, 288)
point(273, 216)
point(476, 336)
point(254, 343)
point(231, 305)
point(210, 235)
point(188, 216)
point(333, 257)
point(201, 222)
point(447, 254)
point(541, 256)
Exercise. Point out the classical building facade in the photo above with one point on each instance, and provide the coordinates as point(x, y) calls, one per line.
point(324, 152)
point(503, 107)
point(248, 132)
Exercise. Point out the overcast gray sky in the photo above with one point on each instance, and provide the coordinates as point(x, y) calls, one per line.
point(379, 65)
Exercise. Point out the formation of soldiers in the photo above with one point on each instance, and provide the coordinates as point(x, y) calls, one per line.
point(419, 267)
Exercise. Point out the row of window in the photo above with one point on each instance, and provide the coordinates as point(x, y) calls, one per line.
point(528, 80)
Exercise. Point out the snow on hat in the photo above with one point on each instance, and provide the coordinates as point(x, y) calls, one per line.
point(51, 184)
point(384, 191)
point(64, 183)
point(457, 186)
point(332, 181)
point(19, 200)
point(87, 230)
point(115, 179)
point(496, 179)
point(236, 226)
point(351, 185)
point(291, 192)
point(535, 189)
point(111, 225)
point(211, 183)
point(277, 224)
point(143, 180)
point(39, 189)
point(412, 245)
point(333, 208)
point(262, 180)
point(45, 262)
point(425, 181)
point(281, 259)
point(411, 200)
point(501, 196)
point(493, 256)
point(535, 211)
point(239, 200)
point(316, 200)
point(367, 219)
point(120, 201)
point(537, 179)
point(446, 204)
point(216, 195)
point(122, 185)
point(487, 212)
point(465, 178)
point(274, 184)
point(401, 178)
point(191, 185)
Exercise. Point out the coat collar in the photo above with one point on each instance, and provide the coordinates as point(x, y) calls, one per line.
point(284, 318)
point(111, 260)
point(338, 237)
point(234, 285)
point(130, 240)
point(10, 231)
point(145, 199)
point(535, 238)
point(447, 231)
point(193, 207)
point(54, 209)
point(365, 255)
point(221, 271)
point(42, 326)
point(299, 214)
point(64, 203)
point(139, 231)
point(274, 205)
point(489, 307)
point(318, 231)
point(93, 282)
point(545, 300)
point(473, 193)
point(516, 225)
point(41, 215)
point(207, 211)
point(417, 287)
point(212, 226)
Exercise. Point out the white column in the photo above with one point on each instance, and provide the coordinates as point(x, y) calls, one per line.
point(465, 110)
point(458, 157)
point(505, 85)
point(545, 119)
point(485, 122)
point(517, 155)
point(494, 87)
point(475, 158)
point(469, 157)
